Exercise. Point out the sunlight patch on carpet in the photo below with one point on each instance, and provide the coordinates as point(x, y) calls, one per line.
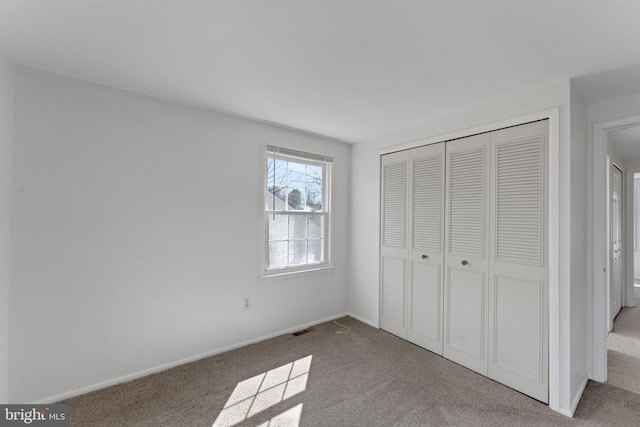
point(265, 390)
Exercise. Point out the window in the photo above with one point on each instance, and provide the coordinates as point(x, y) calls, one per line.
point(297, 187)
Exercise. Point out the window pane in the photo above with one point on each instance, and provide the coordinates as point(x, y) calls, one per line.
point(276, 183)
point(296, 174)
point(314, 175)
point(314, 187)
point(281, 172)
point(314, 199)
point(297, 199)
point(278, 227)
point(315, 227)
point(277, 201)
point(278, 254)
point(270, 171)
point(297, 227)
point(316, 252)
point(297, 252)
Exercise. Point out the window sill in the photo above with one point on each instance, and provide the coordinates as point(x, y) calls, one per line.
point(268, 276)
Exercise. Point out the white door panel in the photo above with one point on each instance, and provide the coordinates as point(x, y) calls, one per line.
point(425, 306)
point(615, 244)
point(518, 294)
point(426, 219)
point(465, 323)
point(518, 312)
point(466, 260)
point(393, 295)
point(393, 251)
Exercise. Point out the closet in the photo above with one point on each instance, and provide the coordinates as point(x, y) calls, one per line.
point(463, 268)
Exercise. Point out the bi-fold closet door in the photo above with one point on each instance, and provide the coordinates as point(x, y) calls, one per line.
point(464, 253)
point(412, 245)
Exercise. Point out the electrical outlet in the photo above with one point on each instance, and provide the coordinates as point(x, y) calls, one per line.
point(246, 303)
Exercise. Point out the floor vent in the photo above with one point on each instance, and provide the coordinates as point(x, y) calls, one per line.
point(305, 331)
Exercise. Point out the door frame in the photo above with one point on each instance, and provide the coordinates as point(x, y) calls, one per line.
point(559, 366)
point(628, 229)
point(597, 362)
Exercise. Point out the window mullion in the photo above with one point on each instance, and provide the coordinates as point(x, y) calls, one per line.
point(297, 212)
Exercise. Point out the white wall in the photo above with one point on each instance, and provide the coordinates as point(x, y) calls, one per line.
point(632, 163)
point(580, 234)
point(6, 123)
point(614, 109)
point(614, 156)
point(602, 116)
point(136, 234)
point(568, 366)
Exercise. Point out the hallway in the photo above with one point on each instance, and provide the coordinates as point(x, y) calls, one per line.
point(623, 349)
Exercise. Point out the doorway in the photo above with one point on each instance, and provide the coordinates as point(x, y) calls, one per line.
point(603, 133)
point(620, 162)
point(636, 236)
point(623, 341)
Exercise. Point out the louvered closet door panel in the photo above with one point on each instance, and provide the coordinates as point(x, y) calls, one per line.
point(518, 205)
point(394, 239)
point(394, 211)
point(518, 290)
point(426, 224)
point(466, 252)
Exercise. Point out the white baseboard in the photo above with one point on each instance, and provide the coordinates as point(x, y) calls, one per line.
point(165, 366)
point(576, 398)
point(569, 412)
point(565, 412)
point(363, 320)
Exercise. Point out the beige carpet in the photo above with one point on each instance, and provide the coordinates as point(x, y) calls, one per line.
point(365, 377)
point(623, 350)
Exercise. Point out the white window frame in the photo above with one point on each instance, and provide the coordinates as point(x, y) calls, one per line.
point(636, 211)
point(325, 162)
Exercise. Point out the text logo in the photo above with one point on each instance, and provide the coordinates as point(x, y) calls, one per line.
point(34, 415)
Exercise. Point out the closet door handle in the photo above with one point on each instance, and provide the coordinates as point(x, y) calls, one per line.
point(424, 256)
point(465, 262)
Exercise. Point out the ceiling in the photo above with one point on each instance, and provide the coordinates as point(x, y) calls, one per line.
point(349, 70)
point(625, 141)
